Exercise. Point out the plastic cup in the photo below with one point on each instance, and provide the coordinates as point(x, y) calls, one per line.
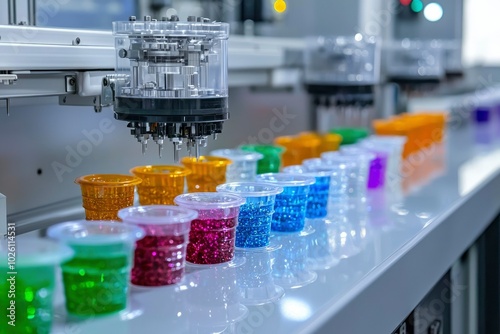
point(213, 233)
point(330, 142)
point(96, 279)
point(27, 288)
point(290, 206)
point(350, 135)
point(317, 201)
point(255, 217)
point(393, 146)
point(207, 172)
point(212, 300)
point(378, 165)
point(159, 257)
point(160, 184)
point(290, 262)
point(399, 127)
point(357, 167)
point(244, 166)
point(104, 194)
point(298, 148)
point(255, 278)
point(271, 162)
point(339, 180)
point(322, 249)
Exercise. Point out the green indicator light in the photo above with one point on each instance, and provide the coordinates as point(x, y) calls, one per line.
point(417, 6)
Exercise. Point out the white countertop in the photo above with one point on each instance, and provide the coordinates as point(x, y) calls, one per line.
point(384, 259)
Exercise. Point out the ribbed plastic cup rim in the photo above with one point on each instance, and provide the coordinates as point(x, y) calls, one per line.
point(98, 180)
point(36, 252)
point(209, 200)
point(157, 215)
point(259, 189)
point(236, 154)
point(167, 170)
point(323, 164)
point(303, 170)
point(83, 232)
point(264, 149)
point(207, 160)
point(287, 180)
point(357, 151)
point(337, 156)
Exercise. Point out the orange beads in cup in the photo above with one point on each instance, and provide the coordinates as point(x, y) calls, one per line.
point(104, 194)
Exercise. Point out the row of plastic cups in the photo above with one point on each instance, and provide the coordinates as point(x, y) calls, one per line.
point(420, 129)
point(104, 194)
point(161, 237)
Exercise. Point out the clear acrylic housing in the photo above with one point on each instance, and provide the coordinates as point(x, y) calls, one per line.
point(414, 60)
point(345, 61)
point(171, 59)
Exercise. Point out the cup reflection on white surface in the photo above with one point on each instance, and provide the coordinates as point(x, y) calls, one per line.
point(256, 283)
point(322, 244)
point(289, 266)
point(212, 298)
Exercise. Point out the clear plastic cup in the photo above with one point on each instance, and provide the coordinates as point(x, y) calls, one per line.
point(27, 285)
point(207, 172)
point(317, 201)
point(159, 257)
point(322, 250)
point(160, 184)
point(213, 234)
point(104, 194)
point(290, 206)
point(255, 217)
point(290, 262)
point(358, 162)
point(212, 300)
point(96, 279)
point(244, 166)
point(255, 278)
point(271, 163)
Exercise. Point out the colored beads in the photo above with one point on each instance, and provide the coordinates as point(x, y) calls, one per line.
point(212, 235)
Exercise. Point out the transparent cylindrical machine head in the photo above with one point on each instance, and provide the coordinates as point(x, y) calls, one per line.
point(171, 59)
point(171, 79)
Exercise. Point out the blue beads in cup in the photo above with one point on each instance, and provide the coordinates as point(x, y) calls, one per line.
point(290, 206)
point(317, 201)
point(255, 217)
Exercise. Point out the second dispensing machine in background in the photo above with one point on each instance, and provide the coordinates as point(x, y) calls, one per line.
point(341, 75)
